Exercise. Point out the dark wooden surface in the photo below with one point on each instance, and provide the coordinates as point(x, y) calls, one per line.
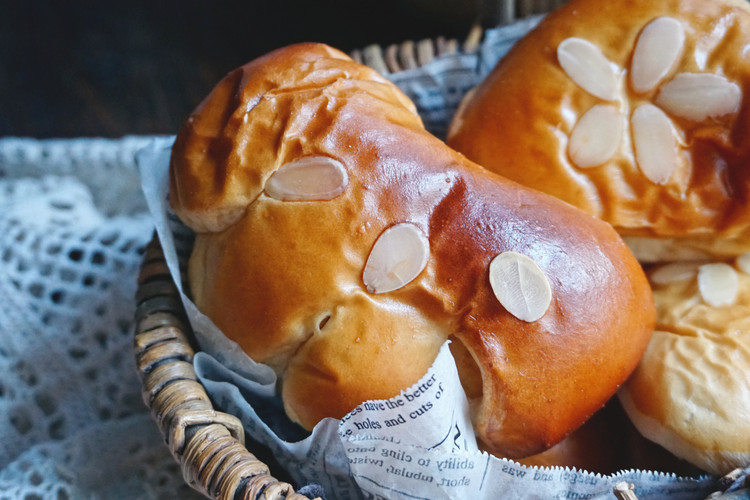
point(111, 68)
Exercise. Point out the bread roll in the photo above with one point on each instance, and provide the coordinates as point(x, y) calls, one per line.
point(342, 244)
point(633, 111)
point(691, 391)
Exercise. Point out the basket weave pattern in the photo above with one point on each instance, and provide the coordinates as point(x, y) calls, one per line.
point(209, 445)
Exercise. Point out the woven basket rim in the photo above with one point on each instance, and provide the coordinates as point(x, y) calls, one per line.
point(209, 445)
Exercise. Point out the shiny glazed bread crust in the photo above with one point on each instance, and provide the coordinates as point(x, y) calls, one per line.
point(285, 278)
point(518, 122)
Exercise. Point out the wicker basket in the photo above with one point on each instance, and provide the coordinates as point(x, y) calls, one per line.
point(209, 445)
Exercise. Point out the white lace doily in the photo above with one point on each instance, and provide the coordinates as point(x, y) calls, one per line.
point(72, 423)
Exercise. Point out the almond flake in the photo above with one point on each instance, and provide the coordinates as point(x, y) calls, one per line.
point(397, 257)
point(656, 51)
point(718, 284)
point(585, 64)
point(520, 286)
point(743, 262)
point(655, 143)
point(306, 179)
point(596, 136)
point(697, 96)
point(674, 272)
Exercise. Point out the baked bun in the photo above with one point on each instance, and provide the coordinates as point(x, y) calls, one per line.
point(633, 111)
point(342, 244)
point(691, 391)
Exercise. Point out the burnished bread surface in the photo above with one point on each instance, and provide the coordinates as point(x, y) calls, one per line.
point(662, 156)
point(291, 280)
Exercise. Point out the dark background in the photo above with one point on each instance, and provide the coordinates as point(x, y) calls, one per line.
point(87, 68)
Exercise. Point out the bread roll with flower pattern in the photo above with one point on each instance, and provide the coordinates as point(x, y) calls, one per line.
point(633, 111)
point(342, 244)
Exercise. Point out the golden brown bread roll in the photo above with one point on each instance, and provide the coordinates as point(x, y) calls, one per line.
point(342, 244)
point(691, 391)
point(634, 111)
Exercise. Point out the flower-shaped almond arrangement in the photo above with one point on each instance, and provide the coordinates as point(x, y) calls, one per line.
point(655, 137)
point(633, 111)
